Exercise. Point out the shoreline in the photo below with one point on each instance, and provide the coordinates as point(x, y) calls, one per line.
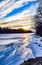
point(33, 61)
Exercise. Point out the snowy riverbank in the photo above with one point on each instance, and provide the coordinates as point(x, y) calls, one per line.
point(17, 48)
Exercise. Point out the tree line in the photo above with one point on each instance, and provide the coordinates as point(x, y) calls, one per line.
point(9, 30)
point(38, 19)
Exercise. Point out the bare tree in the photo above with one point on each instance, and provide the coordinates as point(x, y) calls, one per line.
point(38, 19)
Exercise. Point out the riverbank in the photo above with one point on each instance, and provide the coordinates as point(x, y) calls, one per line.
point(33, 61)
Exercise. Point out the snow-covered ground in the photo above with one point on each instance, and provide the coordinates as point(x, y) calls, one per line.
point(16, 48)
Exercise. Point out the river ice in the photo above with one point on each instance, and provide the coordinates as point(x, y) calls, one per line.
point(16, 48)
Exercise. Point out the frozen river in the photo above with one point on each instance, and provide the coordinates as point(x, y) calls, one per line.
point(16, 48)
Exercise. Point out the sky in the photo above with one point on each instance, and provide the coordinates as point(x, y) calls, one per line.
point(17, 13)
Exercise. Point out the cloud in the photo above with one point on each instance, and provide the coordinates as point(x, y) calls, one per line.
point(8, 6)
point(27, 12)
point(21, 17)
point(3, 3)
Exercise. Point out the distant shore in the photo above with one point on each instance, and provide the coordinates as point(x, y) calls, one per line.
point(20, 30)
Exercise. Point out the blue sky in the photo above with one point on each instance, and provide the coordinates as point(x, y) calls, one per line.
point(16, 9)
point(20, 9)
point(23, 6)
point(1, 0)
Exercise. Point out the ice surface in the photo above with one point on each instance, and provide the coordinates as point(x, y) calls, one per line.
point(16, 48)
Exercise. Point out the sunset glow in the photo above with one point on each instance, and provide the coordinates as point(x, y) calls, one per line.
point(17, 14)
